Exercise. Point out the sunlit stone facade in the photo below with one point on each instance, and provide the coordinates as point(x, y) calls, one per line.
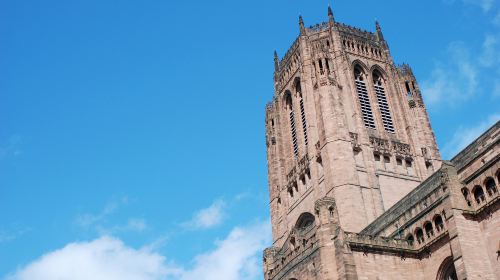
point(357, 186)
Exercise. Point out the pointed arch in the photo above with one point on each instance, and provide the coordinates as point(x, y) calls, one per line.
point(447, 270)
point(379, 82)
point(364, 100)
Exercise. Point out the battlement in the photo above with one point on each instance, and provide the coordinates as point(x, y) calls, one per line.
point(345, 29)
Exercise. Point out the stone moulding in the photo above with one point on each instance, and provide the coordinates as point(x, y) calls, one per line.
point(368, 243)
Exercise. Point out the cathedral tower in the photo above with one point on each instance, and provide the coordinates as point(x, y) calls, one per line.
point(357, 187)
point(347, 123)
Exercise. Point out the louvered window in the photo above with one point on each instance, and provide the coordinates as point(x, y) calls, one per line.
point(364, 100)
point(302, 112)
point(383, 105)
point(304, 123)
point(292, 125)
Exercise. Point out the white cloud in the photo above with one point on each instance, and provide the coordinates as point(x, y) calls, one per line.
point(238, 257)
point(105, 258)
point(208, 217)
point(463, 136)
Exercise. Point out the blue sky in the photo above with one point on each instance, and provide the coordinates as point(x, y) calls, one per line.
point(132, 132)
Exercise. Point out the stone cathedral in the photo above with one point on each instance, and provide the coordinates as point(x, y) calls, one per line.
point(357, 186)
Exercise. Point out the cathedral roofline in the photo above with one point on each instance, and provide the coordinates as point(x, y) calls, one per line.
point(483, 143)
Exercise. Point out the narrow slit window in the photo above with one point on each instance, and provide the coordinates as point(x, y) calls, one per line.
point(364, 100)
point(383, 105)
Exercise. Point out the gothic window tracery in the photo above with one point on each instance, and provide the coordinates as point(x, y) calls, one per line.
point(383, 105)
point(364, 100)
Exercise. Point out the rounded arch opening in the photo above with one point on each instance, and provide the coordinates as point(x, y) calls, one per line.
point(429, 229)
point(410, 238)
point(491, 187)
point(419, 234)
point(438, 223)
point(478, 194)
point(305, 221)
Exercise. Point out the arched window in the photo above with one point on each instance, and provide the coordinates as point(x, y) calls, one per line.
point(298, 89)
point(304, 221)
point(438, 223)
point(429, 230)
point(491, 187)
point(383, 105)
point(447, 270)
point(364, 100)
point(419, 233)
point(289, 107)
point(478, 194)
point(410, 239)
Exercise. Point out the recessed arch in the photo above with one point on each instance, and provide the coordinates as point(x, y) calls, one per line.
point(491, 187)
point(410, 238)
point(358, 63)
point(304, 221)
point(429, 229)
point(447, 270)
point(478, 194)
point(438, 222)
point(419, 234)
point(378, 68)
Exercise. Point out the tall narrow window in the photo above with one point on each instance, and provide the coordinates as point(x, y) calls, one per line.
point(293, 131)
point(302, 111)
point(383, 105)
point(364, 101)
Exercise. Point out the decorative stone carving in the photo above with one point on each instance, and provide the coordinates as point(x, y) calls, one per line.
point(380, 145)
point(401, 148)
point(354, 141)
